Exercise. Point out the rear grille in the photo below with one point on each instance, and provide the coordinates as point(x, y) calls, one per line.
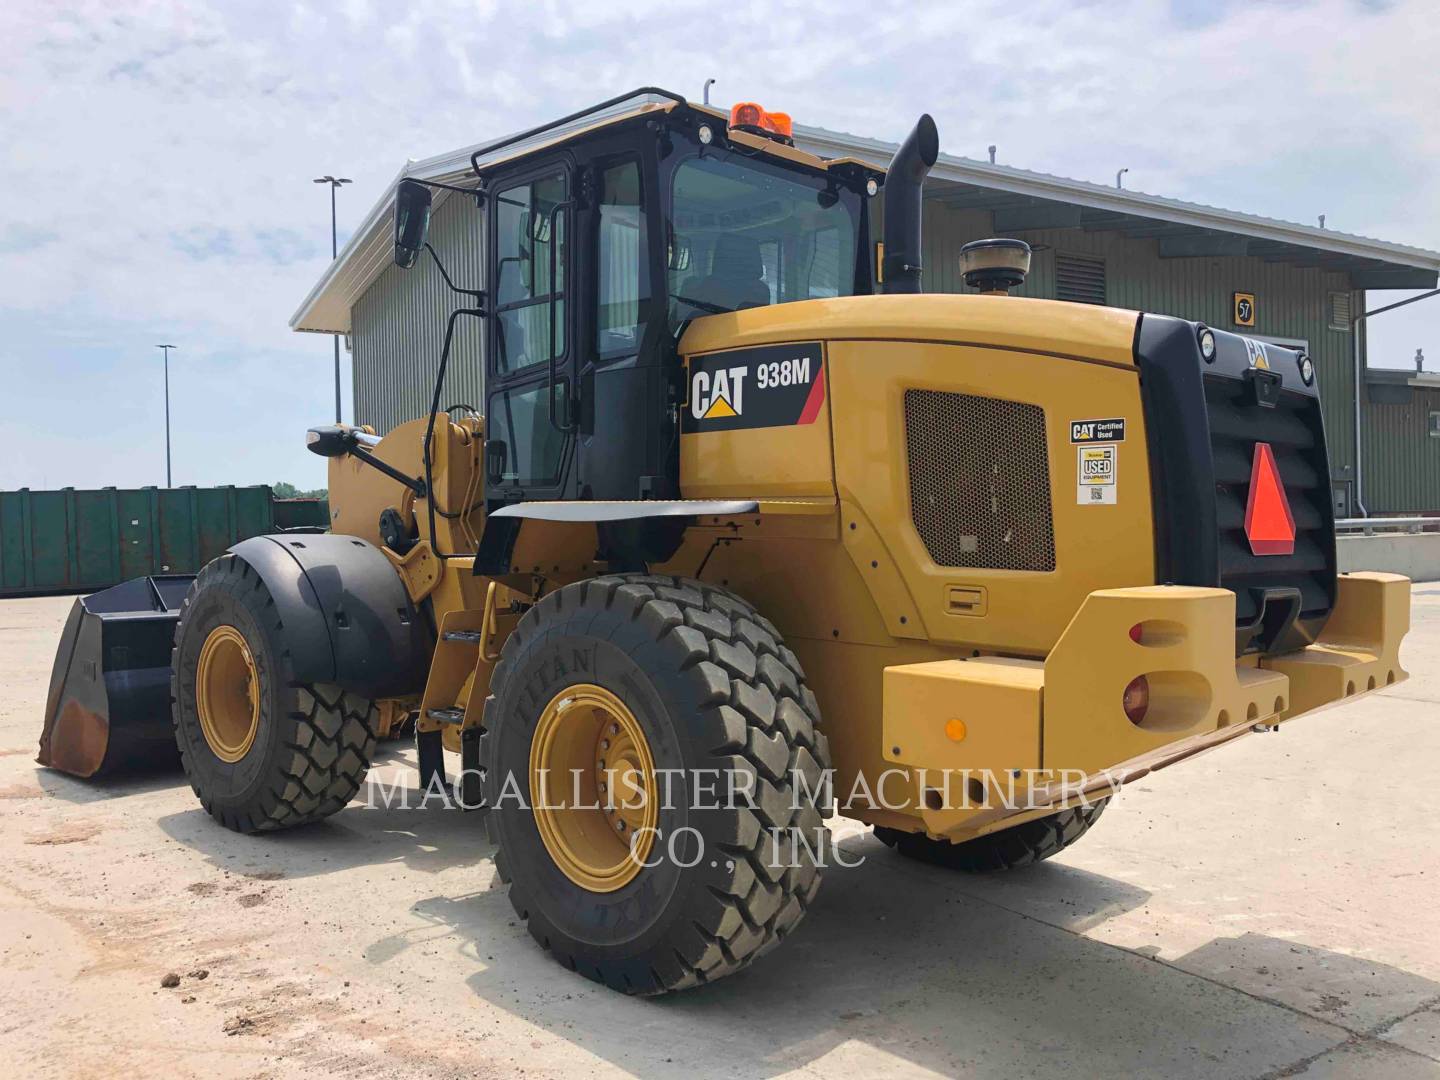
point(1293, 430)
point(1203, 417)
point(979, 481)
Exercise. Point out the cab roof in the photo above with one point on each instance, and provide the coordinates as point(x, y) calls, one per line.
point(327, 308)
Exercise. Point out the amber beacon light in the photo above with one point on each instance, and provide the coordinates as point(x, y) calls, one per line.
point(748, 116)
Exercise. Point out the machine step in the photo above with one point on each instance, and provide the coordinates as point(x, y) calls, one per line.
point(446, 716)
point(469, 637)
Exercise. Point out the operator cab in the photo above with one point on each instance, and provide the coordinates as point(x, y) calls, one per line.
point(602, 245)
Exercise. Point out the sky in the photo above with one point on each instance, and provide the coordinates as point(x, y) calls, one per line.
point(156, 161)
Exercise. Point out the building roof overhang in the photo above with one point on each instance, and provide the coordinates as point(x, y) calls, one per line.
point(1019, 199)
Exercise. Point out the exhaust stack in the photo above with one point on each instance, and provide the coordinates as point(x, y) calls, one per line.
point(904, 186)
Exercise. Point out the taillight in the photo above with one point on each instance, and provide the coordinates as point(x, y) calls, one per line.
point(1136, 699)
point(1135, 633)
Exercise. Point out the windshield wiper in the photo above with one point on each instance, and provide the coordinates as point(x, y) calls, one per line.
point(703, 305)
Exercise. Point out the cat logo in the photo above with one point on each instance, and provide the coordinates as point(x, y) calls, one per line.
point(763, 387)
point(719, 394)
point(1255, 351)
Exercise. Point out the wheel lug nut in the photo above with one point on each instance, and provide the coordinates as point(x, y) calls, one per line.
point(604, 744)
point(614, 729)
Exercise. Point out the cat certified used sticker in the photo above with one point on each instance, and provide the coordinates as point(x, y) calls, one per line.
point(1095, 465)
point(1085, 431)
point(767, 386)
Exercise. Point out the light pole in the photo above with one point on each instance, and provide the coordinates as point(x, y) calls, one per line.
point(166, 350)
point(334, 182)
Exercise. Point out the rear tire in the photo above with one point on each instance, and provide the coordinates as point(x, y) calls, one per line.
point(309, 747)
point(712, 690)
point(1009, 849)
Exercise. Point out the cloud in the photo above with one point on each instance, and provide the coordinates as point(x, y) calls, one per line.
point(158, 156)
point(17, 238)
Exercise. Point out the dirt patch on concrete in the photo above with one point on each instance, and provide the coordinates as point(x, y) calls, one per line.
point(73, 833)
point(20, 791)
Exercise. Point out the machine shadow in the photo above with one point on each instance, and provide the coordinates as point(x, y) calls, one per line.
point(892, 953)
point(932, 970)
point(138, 781)
point(388, 822)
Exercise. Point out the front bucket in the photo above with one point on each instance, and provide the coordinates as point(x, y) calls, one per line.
point(109, 704)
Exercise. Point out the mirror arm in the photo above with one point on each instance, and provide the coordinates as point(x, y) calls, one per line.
point(417, 486)
point(476, 193)
point(478, 295)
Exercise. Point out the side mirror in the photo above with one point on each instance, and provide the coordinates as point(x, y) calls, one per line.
point(412, 222)
point(330, 441)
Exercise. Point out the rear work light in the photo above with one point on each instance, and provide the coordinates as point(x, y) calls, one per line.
point(748, 116)
point(1136, 699)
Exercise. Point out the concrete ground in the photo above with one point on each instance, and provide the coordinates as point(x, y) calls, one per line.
point(1267, 910)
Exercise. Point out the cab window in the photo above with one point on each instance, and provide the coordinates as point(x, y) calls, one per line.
point(743, 236)
point(520, 432)
point(623, 280)
point(527, 228)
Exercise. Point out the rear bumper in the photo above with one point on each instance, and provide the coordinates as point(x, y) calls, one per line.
point(1056, 730)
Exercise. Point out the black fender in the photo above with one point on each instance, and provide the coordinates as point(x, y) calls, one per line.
point(348, 619)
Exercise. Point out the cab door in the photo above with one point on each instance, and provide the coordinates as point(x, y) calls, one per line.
point(530, 366)
point(626, 359)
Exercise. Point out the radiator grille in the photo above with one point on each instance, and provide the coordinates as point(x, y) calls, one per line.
point(1079, 278)
point(979, 481)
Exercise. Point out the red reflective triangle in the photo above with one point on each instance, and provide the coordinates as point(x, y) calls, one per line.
point(1269, 525)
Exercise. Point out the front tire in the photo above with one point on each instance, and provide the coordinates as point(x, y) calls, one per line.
point(261, 750)
point(1009, 849)
point(697, 690)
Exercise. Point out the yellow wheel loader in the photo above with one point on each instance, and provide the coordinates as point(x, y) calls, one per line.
point(748, 529)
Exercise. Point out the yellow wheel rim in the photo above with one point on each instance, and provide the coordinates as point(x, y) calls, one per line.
point(227, 694)
point(592, 788)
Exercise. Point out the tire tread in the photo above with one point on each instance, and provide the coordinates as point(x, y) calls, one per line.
point(765, 724)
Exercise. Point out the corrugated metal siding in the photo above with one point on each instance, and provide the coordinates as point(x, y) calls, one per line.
point(1291, 302)
point(399, 327)
point(1402, 461)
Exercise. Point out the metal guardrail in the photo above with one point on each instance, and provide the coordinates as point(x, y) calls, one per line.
point(1372, 525)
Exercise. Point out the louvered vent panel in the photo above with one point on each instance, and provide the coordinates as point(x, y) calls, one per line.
point(1079, 278)
point(979, 481)
point(1339, 311)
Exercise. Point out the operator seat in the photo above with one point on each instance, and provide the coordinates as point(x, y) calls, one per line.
point(736, 273)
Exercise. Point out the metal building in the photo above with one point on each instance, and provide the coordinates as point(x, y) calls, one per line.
point(1282, 282)
point(1401, 428)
